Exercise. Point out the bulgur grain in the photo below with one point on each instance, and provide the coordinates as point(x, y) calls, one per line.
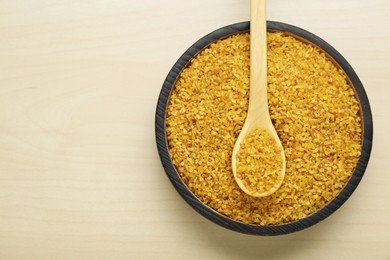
point(314, 110)
point(259, 162)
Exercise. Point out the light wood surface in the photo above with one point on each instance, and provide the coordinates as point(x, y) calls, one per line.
point(80, 176)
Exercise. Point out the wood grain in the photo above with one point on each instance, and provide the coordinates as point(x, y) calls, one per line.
point(80, 176)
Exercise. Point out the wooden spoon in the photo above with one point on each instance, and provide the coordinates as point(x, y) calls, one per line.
point(258, 116)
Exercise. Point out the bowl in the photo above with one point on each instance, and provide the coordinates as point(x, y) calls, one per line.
point(220, 219)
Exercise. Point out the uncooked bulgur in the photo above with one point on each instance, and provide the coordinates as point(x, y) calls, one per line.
point(259, 162)
point(313, 108)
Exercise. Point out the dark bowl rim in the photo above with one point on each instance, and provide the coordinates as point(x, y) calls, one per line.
point(213, 215)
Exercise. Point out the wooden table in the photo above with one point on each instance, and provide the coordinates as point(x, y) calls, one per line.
point(80, 176)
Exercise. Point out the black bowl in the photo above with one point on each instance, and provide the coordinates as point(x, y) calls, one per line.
point(220, 219)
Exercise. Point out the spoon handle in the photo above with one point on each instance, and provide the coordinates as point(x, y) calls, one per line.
point(258, 102)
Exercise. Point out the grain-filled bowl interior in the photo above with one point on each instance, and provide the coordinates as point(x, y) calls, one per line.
point(318, 106)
